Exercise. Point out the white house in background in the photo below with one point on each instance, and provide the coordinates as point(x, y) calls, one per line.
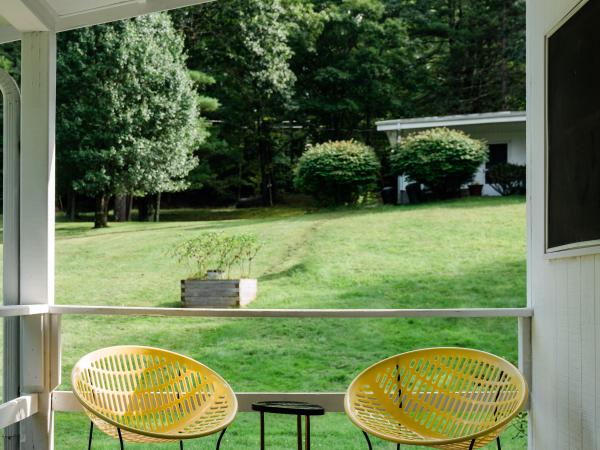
point(505, 133)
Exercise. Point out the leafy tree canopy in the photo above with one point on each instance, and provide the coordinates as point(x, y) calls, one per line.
point(127, 111)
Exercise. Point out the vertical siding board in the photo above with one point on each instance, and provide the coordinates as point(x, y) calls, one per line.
point(597, 342)
point(562, 352)
point(551, 330)
point(573, 305)
point(588, 350)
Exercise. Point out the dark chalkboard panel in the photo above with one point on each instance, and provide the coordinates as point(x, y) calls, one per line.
point(574, 130)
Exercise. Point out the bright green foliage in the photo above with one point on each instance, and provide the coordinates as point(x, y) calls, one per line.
point(507, 179)
point(127, 114)
point(440, 158)
point(219, 252)
point(337, 172)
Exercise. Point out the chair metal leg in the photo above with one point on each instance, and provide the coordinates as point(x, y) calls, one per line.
point(262, 430)
point(120, 438)
point(180, 445)
point(221, 437)
point(472, 444)
point(368, 440)
point(307, 434)
point(397, 446)
point(498, 443)
point(91, 434)
point(299, 431)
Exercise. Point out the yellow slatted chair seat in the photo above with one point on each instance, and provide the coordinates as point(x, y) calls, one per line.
point(441, 397)
point(152, 395)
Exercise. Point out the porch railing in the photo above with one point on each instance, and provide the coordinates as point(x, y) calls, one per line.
point(43, 361)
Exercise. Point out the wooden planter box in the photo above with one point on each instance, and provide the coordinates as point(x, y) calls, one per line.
point(218, 293)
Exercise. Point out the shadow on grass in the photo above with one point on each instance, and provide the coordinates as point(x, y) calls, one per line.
point(294, 270)
point(280, 213)
point(80, 231)
point(498, 285)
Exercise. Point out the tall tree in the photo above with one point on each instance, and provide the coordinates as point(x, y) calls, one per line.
point(474, 53)
point(127, 111)
point(243, 44)
point(357, 71)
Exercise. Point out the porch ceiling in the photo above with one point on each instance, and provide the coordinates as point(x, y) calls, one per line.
point(17, 16)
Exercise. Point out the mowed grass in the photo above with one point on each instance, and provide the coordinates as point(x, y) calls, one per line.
point(464, 253)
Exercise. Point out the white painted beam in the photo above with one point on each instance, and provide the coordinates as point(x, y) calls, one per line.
point(8, 33)
point(22, 18)
point(119, 11)
point(289, 313)
point(23, 310)
point(38, 91)
point(65, 401)
point(43, 11)
point(18, 409)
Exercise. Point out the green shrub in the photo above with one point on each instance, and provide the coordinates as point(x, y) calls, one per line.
point(441, 159)
point(507, 179)
point(338, 172)
point(218, 252)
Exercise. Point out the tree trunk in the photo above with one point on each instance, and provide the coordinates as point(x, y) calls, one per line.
point(72, 205)
point(266, 169)
point(143, 209)
point(157, 207)
point(121, 208)
point(129, 206)
point(504, 62)
point(106, 209)
point(239, 186)
point(101, 215)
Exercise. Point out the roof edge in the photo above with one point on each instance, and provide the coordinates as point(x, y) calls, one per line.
point(454, 120)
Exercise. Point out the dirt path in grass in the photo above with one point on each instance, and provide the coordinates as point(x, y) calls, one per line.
point(295, 249)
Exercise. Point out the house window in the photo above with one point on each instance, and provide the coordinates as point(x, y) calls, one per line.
point(498, 154)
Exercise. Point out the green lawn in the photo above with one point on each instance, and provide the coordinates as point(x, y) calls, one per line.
point(467, 253)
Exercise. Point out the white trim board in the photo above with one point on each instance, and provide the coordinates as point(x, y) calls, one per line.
point(41, 15)
point(290, 313)
point(14, 411)
point(65, 401)
point(452, 121)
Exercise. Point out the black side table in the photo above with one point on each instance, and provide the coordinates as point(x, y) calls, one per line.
point(298, 409)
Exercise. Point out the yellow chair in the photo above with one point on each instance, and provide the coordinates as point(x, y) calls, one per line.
point(446, 398)
point(147, 395)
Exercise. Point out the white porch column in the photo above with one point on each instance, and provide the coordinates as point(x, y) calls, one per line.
point(11, 170)
point(38, 88)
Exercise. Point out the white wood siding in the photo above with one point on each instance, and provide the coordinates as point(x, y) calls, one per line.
point(563, 292)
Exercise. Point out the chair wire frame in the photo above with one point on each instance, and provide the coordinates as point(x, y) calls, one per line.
point(148, 395)
point(446, 398)
point(122, 445)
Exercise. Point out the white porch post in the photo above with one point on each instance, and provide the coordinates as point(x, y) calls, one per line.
point(11, 170)
point(38, 87)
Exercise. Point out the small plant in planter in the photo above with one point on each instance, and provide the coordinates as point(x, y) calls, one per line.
point(220, 267)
